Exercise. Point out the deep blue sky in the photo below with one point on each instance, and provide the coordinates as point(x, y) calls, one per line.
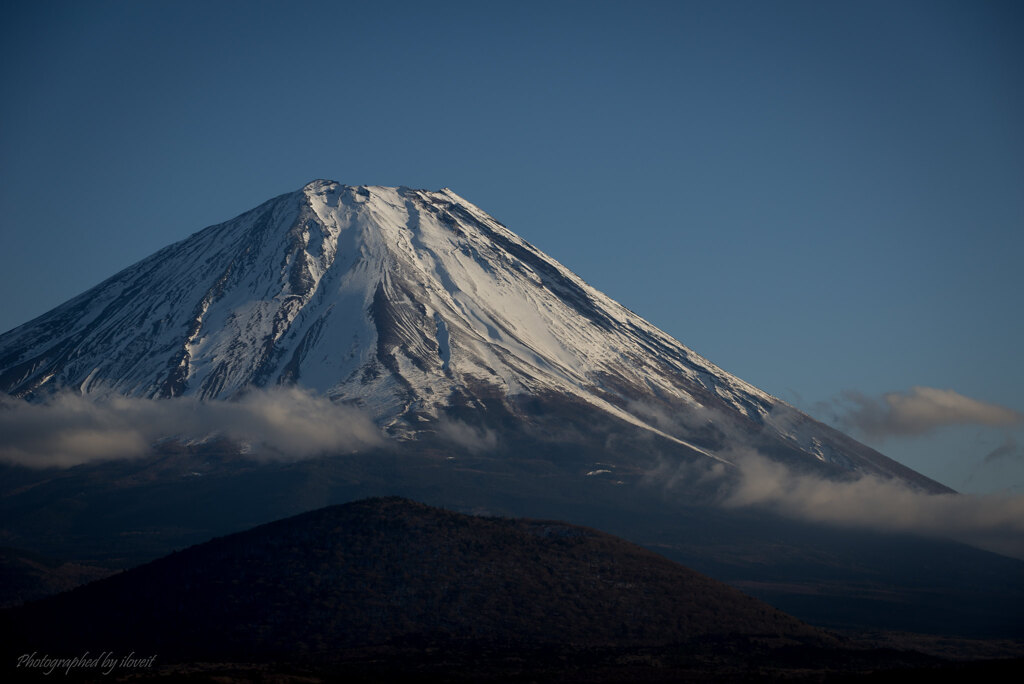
point(819, 197)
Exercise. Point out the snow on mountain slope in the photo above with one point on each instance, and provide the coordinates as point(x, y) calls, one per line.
point(402, 301)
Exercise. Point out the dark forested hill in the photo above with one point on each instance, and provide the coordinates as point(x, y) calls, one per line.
point(385, 571)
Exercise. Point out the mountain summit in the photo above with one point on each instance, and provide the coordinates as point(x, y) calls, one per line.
point(416, 306)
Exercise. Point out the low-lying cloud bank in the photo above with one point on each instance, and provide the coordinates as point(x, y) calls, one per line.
point(994, 522)
point(278, 424)
point(919, 411)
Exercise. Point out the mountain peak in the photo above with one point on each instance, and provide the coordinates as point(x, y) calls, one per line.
point(319, 183)
point(412, 304)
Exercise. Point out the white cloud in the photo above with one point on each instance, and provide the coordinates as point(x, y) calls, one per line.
point(994, 522)
point(919, 411)
point(283, 424)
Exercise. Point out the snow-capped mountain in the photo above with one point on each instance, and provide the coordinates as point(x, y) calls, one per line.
point(411, 304)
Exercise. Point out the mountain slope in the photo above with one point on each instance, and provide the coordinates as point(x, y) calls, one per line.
point(386, 571)
point(416, 306)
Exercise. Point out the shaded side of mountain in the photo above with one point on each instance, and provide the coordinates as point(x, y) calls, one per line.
point(26, 576)
point(387, 571)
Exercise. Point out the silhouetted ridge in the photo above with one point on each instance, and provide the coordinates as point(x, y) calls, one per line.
point(392, 571)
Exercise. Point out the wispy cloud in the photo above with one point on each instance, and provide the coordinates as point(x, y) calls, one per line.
point(474, 439)
point(917, 412)
point(283, 424)
point(1007, 451)
point(672, 420)
point(994, 522)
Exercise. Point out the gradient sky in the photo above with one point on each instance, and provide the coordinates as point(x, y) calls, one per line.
point(820, 197)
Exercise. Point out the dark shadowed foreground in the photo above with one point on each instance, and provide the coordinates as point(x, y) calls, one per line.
point(387, 586)
point(385, 571)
